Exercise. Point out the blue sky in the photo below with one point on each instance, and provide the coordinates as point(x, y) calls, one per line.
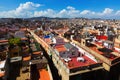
point(60, 8)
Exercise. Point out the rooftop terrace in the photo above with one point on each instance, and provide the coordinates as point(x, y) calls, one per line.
point(76, 60)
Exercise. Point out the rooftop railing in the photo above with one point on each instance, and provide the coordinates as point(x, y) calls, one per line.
point(90, 67)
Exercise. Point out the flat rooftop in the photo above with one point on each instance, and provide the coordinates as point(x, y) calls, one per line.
point(111, 54)
point(77, 61)
point(72, 62)
point(104, 51)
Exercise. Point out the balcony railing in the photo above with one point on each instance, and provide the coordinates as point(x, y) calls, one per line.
point(90, 67)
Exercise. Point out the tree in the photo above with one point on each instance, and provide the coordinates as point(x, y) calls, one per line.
point(14, 41)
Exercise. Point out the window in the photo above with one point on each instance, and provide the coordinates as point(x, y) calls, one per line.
point(15, 54)
point(2, 69)
point(83, 42)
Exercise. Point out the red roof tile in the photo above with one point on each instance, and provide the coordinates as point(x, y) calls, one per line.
point(2, 74)
point(38, 52)
point(48, 40)
point(60, 48)
point(44, 75)
point(74, 63)
point(1, 41)
point(102, 53)
point(26, 58)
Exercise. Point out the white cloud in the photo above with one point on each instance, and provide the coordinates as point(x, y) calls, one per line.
point(24, 10)
point(117, 13)
point(107, 11)
point(27, 6)
point(62, 13)
point(71, 12)
point(68, 12)
point(29, 9)
point(70, 7)
point(85, 12)
point(47, 13)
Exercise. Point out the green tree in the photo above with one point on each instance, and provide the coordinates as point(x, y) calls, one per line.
point(14, 41)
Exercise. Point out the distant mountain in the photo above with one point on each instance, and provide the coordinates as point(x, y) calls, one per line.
point(45, 18)
point(97, 19)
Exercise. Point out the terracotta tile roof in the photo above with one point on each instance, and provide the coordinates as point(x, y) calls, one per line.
point(60, 48)
point(1, 41)
point(111, 57)
point(2, 74)
point(48, 40)
point(38, 52)
point(44, 75)
point(26, 58)
point(23, 38)
point(96, 50)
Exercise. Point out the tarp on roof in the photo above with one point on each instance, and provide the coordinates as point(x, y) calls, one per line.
point(48, 36)
point(68, 45)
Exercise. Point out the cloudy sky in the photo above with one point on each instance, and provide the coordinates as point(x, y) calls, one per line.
point(60, 8)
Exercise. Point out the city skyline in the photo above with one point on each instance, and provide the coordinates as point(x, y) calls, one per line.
point(107, 9)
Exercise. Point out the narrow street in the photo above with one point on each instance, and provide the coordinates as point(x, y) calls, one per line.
point(54, 71)
point(34, 73)
point(14, 70)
